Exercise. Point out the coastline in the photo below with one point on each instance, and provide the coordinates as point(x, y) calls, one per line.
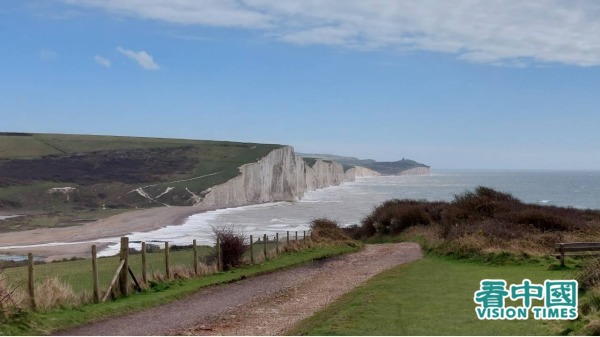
point(79, 239)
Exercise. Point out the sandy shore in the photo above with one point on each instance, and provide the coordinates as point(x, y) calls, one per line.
point(114, 226)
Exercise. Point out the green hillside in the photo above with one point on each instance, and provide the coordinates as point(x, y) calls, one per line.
point(66, 173)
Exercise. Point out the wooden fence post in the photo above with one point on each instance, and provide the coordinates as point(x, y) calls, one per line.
point(287, 239)
point(265, 246)
point(123, 276)
point(144, 264)
point(96, 294)
point(30, 281)
point(277, 243)
point(251, 250)
point(296, 236)
point(304, 239)
point(195, 257)
point(167, 262)
point(219, 256)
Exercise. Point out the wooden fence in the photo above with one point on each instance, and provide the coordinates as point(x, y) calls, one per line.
point(130, 272)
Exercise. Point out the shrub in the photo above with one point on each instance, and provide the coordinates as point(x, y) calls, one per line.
point(182, 273)
point(542, 219)
point(54, 293)
point(328, 229)
point(359, 232)
point(589, 277)
point(10, 296)
point(394, 216)
point(482, 203)
point(232, 245)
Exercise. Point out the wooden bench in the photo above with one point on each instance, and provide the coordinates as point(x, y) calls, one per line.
point(567, 248)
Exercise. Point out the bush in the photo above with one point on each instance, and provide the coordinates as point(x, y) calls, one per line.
point(482, 203)
point(329, 229)
point(542, 219)
point(232, 245)
point(359, 232)
point(394, 216)
point(55, 293)
point(589, 277)
point(482, 221)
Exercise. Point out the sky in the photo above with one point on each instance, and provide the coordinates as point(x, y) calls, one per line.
point(461, 84)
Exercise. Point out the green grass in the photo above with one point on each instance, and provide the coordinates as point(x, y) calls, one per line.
point(34, 323)
point(37, 145)
point(432, 296)
point(78, 273)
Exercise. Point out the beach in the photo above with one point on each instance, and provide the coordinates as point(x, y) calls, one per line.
point(79, 239)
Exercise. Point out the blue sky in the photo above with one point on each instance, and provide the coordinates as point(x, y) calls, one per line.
point(461, 84)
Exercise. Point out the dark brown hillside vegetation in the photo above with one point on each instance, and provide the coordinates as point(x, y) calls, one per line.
point(126, 166)
point(482, 221)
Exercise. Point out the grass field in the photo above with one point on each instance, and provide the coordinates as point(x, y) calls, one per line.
point(432, 296)
point(78, 274)
point(34, 323)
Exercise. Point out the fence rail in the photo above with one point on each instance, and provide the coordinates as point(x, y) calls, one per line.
point(38, 285)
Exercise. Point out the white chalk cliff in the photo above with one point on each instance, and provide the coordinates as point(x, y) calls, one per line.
point(416, 171)
point(279, 176)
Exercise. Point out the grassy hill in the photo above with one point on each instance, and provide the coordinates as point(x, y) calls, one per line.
point(70, 173)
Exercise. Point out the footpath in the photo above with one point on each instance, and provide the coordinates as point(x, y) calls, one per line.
point(264, 305)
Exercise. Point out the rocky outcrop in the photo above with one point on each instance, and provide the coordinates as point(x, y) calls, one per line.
point(416, 171)
point(279, 176)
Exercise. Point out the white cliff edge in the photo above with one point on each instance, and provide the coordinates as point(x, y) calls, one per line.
point(279, 176)
point(416, 171)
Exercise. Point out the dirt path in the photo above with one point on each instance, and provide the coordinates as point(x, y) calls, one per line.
point(264, 305)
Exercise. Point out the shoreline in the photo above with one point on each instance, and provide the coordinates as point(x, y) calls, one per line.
point(79, 239)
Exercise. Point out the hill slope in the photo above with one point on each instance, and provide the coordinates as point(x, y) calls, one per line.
point(54, 172)
point(385, 168)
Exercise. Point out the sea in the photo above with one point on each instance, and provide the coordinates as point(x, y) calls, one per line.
point(350, 202)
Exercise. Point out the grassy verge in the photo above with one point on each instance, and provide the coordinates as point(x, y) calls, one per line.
point(44, 323)
point(432, 296)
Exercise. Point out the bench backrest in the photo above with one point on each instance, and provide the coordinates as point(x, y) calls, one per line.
point(578, 246)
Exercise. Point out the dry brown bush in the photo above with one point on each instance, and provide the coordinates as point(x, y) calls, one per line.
point(483, 221)
point(327, 229)
point(181, 273)
point(55, 293)
point(233, 245)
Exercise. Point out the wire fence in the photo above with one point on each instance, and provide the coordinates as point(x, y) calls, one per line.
point(38, 285)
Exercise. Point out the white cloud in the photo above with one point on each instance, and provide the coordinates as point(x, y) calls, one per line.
point(509, 32)
point(141, 57)
point(220, 13)
point(48, 55)
point(102, 61)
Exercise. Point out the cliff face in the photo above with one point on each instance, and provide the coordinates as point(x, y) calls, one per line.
point(279, 176)
point(416, 171)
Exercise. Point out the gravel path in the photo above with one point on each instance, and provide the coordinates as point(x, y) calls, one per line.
point(264, 305)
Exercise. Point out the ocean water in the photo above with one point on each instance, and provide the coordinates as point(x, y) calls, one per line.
point(349, 203)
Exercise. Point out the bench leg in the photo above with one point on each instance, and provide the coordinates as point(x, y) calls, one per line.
point(562, 258)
